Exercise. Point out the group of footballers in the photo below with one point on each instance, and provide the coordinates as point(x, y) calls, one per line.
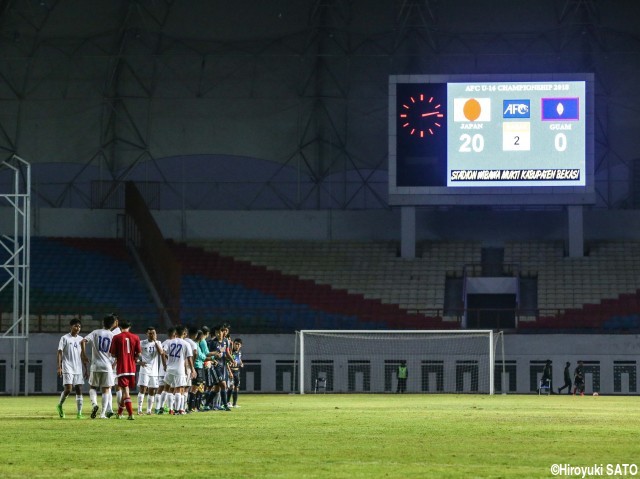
point(190, 371)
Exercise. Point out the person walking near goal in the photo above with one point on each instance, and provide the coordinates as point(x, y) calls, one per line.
point(403, 374)
point(567, 379)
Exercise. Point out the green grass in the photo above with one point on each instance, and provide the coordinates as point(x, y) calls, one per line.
point(326, 436)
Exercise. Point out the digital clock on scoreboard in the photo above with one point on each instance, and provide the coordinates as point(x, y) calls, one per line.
point(465, 139)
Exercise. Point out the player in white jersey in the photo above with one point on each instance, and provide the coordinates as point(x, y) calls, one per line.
point(116, 330)
point(189, 387)
point(163, 389)
point(179, 361)
point(70, 366)
point(101, 375)
point(149, 375)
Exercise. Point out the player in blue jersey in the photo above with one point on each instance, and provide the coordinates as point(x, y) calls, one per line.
point(207, 364)
point(236, 365)
point(228, 376)
point(210, 377)
point(218, 347)
point(198, 362)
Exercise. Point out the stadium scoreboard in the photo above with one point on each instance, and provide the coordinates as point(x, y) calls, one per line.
point(498, 139)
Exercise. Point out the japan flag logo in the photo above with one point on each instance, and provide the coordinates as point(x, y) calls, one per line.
point(472, 109)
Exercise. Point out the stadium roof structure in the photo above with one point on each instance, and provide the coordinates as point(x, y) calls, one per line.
point(279, 104)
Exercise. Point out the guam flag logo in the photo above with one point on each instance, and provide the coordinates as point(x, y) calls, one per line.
point(560, 109)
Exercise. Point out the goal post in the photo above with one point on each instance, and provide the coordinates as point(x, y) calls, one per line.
point(367, 361)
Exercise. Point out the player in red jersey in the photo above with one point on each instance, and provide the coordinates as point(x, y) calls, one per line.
point(125, 347)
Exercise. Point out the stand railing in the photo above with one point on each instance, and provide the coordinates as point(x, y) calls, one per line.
point(143, 233)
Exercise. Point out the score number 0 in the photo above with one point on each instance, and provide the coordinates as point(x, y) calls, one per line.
point(475, 143)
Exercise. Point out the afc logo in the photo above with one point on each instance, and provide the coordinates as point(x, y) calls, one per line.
point(515, 109)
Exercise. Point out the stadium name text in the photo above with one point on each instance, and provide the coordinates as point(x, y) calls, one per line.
point(515, 175)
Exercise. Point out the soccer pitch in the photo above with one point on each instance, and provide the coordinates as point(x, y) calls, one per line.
point(327, 436)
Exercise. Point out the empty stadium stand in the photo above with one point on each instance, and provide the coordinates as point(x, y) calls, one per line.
point(269, 293)
point(370, 269)
point(600, 291)
point(281, 286)
point(86, 277)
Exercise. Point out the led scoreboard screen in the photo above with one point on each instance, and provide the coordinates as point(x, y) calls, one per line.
point(497, 139)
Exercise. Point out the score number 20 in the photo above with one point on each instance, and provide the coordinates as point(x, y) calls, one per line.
point(475, 142)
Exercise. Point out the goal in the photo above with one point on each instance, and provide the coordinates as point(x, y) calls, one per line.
point(342, 361)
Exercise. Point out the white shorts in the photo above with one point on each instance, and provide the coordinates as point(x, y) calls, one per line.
point(175, 380)
point(187, 379)
point(101, 379)
point(147, 380)
point(74, 379)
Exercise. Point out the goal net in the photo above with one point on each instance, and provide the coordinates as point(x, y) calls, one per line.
point(371, 361)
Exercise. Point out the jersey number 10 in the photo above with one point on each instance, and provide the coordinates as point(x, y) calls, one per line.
point(104, 344)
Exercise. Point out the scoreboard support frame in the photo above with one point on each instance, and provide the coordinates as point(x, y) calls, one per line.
point(575, 231)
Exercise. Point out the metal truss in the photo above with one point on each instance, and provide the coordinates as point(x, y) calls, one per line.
point(330, 69)
point(15, 250)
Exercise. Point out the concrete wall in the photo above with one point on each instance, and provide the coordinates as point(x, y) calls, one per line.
point(611, 361)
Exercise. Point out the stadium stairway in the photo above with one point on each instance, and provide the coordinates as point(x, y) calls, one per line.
point(296, 303)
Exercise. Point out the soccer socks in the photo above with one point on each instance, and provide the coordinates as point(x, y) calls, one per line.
point(140, 401)
point(109, 402)
point(235, 397)
point(223, 397)
point(150, 402)
point(93, 396)
point(119, 396)
point(159, 400)
point(79, 402)
point(106, 403)
point(125, 404)
point(63, 397)
point(168, 400)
